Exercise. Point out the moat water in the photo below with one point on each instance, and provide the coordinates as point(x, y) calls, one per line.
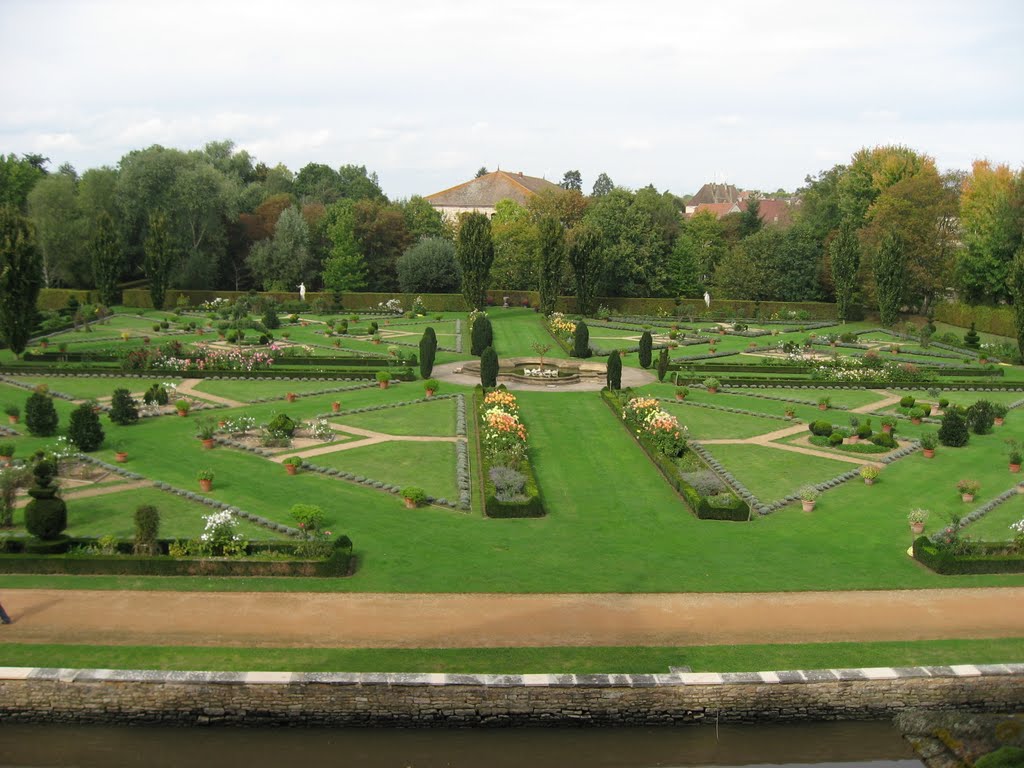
point(870, 744)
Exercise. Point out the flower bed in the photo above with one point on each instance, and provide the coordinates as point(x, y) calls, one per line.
point(510, 487)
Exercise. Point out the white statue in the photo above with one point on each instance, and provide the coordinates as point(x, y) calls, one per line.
point(707, 299)
point(302, 291)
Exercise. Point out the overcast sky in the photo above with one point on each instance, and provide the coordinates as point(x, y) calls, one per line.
point(759, 94)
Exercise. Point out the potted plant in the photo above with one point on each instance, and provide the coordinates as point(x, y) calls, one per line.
point(205, 430)
point(917, 518)
point(916, 414)
point(864, 431)
point(824, 403)
point(383, 379)
point(375, 338)
point(414, 496)
point(392, 350)
point(336, 406)
point(929, 442)
point(1000, 410)
point(183, 406)
point(120, 452)
point(854, 436)
point(205, 478)
point(712, 384)
point(290, 397)
point(888, 422)
point(13, 413)
point(808, 496)
point(968, 489)
point(869, 472)
point(943, 403)
point(1016, 455)
point(430, 387)
point(292, 464)
point(6, 453)
point(682, 392)
point(790, 411)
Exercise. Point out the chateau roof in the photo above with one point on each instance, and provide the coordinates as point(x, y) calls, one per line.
point(485, 191)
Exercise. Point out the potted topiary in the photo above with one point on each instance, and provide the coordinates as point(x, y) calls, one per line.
point(1016, 455)
point(292, 464)
point(943, 403)
point(916, 414)
point(790, 411)
point(290, 397)
point(13, 413)
point(183, 406)
point(1000, 410)
point(682, 392)
point(336, 406)
point(6, 453)
point(864, 431)
point(824, 403)
point(917, 518)
point(205, 430)
point(929, 442)
point(808, 496)
point(888, 422)
point(870, 473)
point(383, 379)
point(712, 384)
point(430, 387)
point(413, 496)
point(205, 478)
point(968, 489)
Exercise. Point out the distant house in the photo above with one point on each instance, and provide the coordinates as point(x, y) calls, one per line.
point(714, 194)
point(723, 199)
point(483, 193)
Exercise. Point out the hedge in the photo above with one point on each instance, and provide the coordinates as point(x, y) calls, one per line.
point(699, 505)
point(349, 362)
point(340, 374)
point(997, 320)
point(57, 298)
point(32, 560)
point(991, 560)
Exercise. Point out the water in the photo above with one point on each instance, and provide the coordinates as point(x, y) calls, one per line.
point(873, 744)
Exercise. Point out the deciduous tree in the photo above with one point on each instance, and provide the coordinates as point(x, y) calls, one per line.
point(21, 275)
point(602, 185)
point(429, 267)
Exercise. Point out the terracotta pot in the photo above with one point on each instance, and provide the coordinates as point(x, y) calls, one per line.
point(1015, 467)
point(205, 485)
point(335, 407)
point(410, 504)
point(854, 439)
point(712, 390)
point(967, 497)
point(887, 428)
point(121, 456)
point(680, 397)
point(383, 384)
point(291, 469)
point(208, 442)
point(790, 414)
point(917, 528)
point(290, 397)
point(869, 481)
point(182, 412)
point(822, 407)
point(999, 421)
point(915, 421)
point(12, 419)
point(808, 506)
point(929, 453)
point(6, 460)
point(429, 393)
point(222, 423)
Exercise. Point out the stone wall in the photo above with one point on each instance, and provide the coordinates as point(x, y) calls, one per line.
point(251, 698)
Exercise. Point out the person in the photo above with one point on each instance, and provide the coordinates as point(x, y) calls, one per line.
point(3, 616)
point(302, 291)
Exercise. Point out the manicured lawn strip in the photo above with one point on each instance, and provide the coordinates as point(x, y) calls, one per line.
point(707, 423)
point(84, 387)
point(246, 390)
point(535, 660)
point(995, 526)
point(853, 398)
point(430, 417)
point(113, 515)
point(771, 474)
point(963, 398)
point(431, 466)
point(515, 330)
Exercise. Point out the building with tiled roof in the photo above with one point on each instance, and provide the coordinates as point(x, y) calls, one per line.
point(714, 194)
point(482, 194)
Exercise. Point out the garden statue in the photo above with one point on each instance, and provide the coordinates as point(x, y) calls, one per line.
point(302, 291)
point(707, 299)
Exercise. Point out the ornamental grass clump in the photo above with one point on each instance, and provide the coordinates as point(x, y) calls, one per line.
point(646, 416)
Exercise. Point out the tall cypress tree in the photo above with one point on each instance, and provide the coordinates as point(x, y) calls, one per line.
point(21, 277)
point(614, 377)
point(1016, 280)
point(489, 367)
point(552, 259)
point(845, 253)
point(581, 340)
point(889, 277)
point(474, 251)
point(428, 351)
point(107, 258)
point(662, 364)
point(584, 248)
point(159, 258)
point(482, 336)
point(646, 349)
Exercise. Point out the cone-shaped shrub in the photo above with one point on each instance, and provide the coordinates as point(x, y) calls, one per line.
point(483, 336)
point(646, 345)
point(428, 351)
point(614, 380)
point(84, 429)
point(662, 364)
point(489, 367)
point(123, 409)
point(581, 340)
point(40, 415)
point(953, 431)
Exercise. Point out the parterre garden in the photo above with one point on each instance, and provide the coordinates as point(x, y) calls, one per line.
point(326, 456)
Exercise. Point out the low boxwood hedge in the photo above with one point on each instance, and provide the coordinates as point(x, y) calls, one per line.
point(993, 558)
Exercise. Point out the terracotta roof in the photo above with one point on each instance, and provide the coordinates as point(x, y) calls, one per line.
point(772, 212)
point(719, 209)
point(487, 190)
point(716, 193)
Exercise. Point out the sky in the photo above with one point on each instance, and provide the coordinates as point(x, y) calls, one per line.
point(758, 94)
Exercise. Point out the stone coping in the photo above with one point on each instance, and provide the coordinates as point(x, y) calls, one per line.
point(671, 679)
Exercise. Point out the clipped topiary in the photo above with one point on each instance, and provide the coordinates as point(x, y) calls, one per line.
point(907, 401)
point(147, 529)
point(820, 428)
point(40, 415)
point(270, 319)
point(488, 367)
point(972, 339)
point(646, 345)
point(953, 431)
point(614, 377)
point(482, 337)
point(46, 516)
point(282, 425)
point(662, 364)
point(581, 340)
point(84, 429)
point(428, 351)
point(123, 409)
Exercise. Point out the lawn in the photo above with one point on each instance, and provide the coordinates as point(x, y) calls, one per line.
point(770, 473)
point(431, 466)
point(425, 417)
point(517, 330)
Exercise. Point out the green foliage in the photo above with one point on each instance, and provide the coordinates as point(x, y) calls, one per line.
point(474, 251)
point(40, 415)
point(107, 259)
point(21, 275)
point(429, 266)
point(157, 394)
point(270, 319)
point(488, 367)
point(646, 346)
point(614, 373)
point(309, 517)
point(552, 258)
point(663, 363)
point(46, 516)
point(413, 493)
point(1007, 756)
point(123, 409)
point(981, 416)
point(581, 340)
point(889, 278)
point(428, 352)
point(159, 258)
point(482, 336)
point(147, 530)
point(972, 339)
point(821, 428)
point(584, 252)
point(284, 261)
point(845, 253)
point(282, 425)
point(907, 401)
point(84, 428)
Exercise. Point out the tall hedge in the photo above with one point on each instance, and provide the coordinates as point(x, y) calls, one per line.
point(646, 347)
point(581, 340)
point(489, 367)
point(40, 415)
point(428, 351)
point(482, 336)
point(614, 377)
point(84, 429)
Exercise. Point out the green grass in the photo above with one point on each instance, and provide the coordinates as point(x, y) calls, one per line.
point(246, 391)
point(427, 417)
point(431, 466)
point(705, 423)
point(515, 332)
point(995, 526)
point(79, 388)
point(536, 660)
point(771, 473)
